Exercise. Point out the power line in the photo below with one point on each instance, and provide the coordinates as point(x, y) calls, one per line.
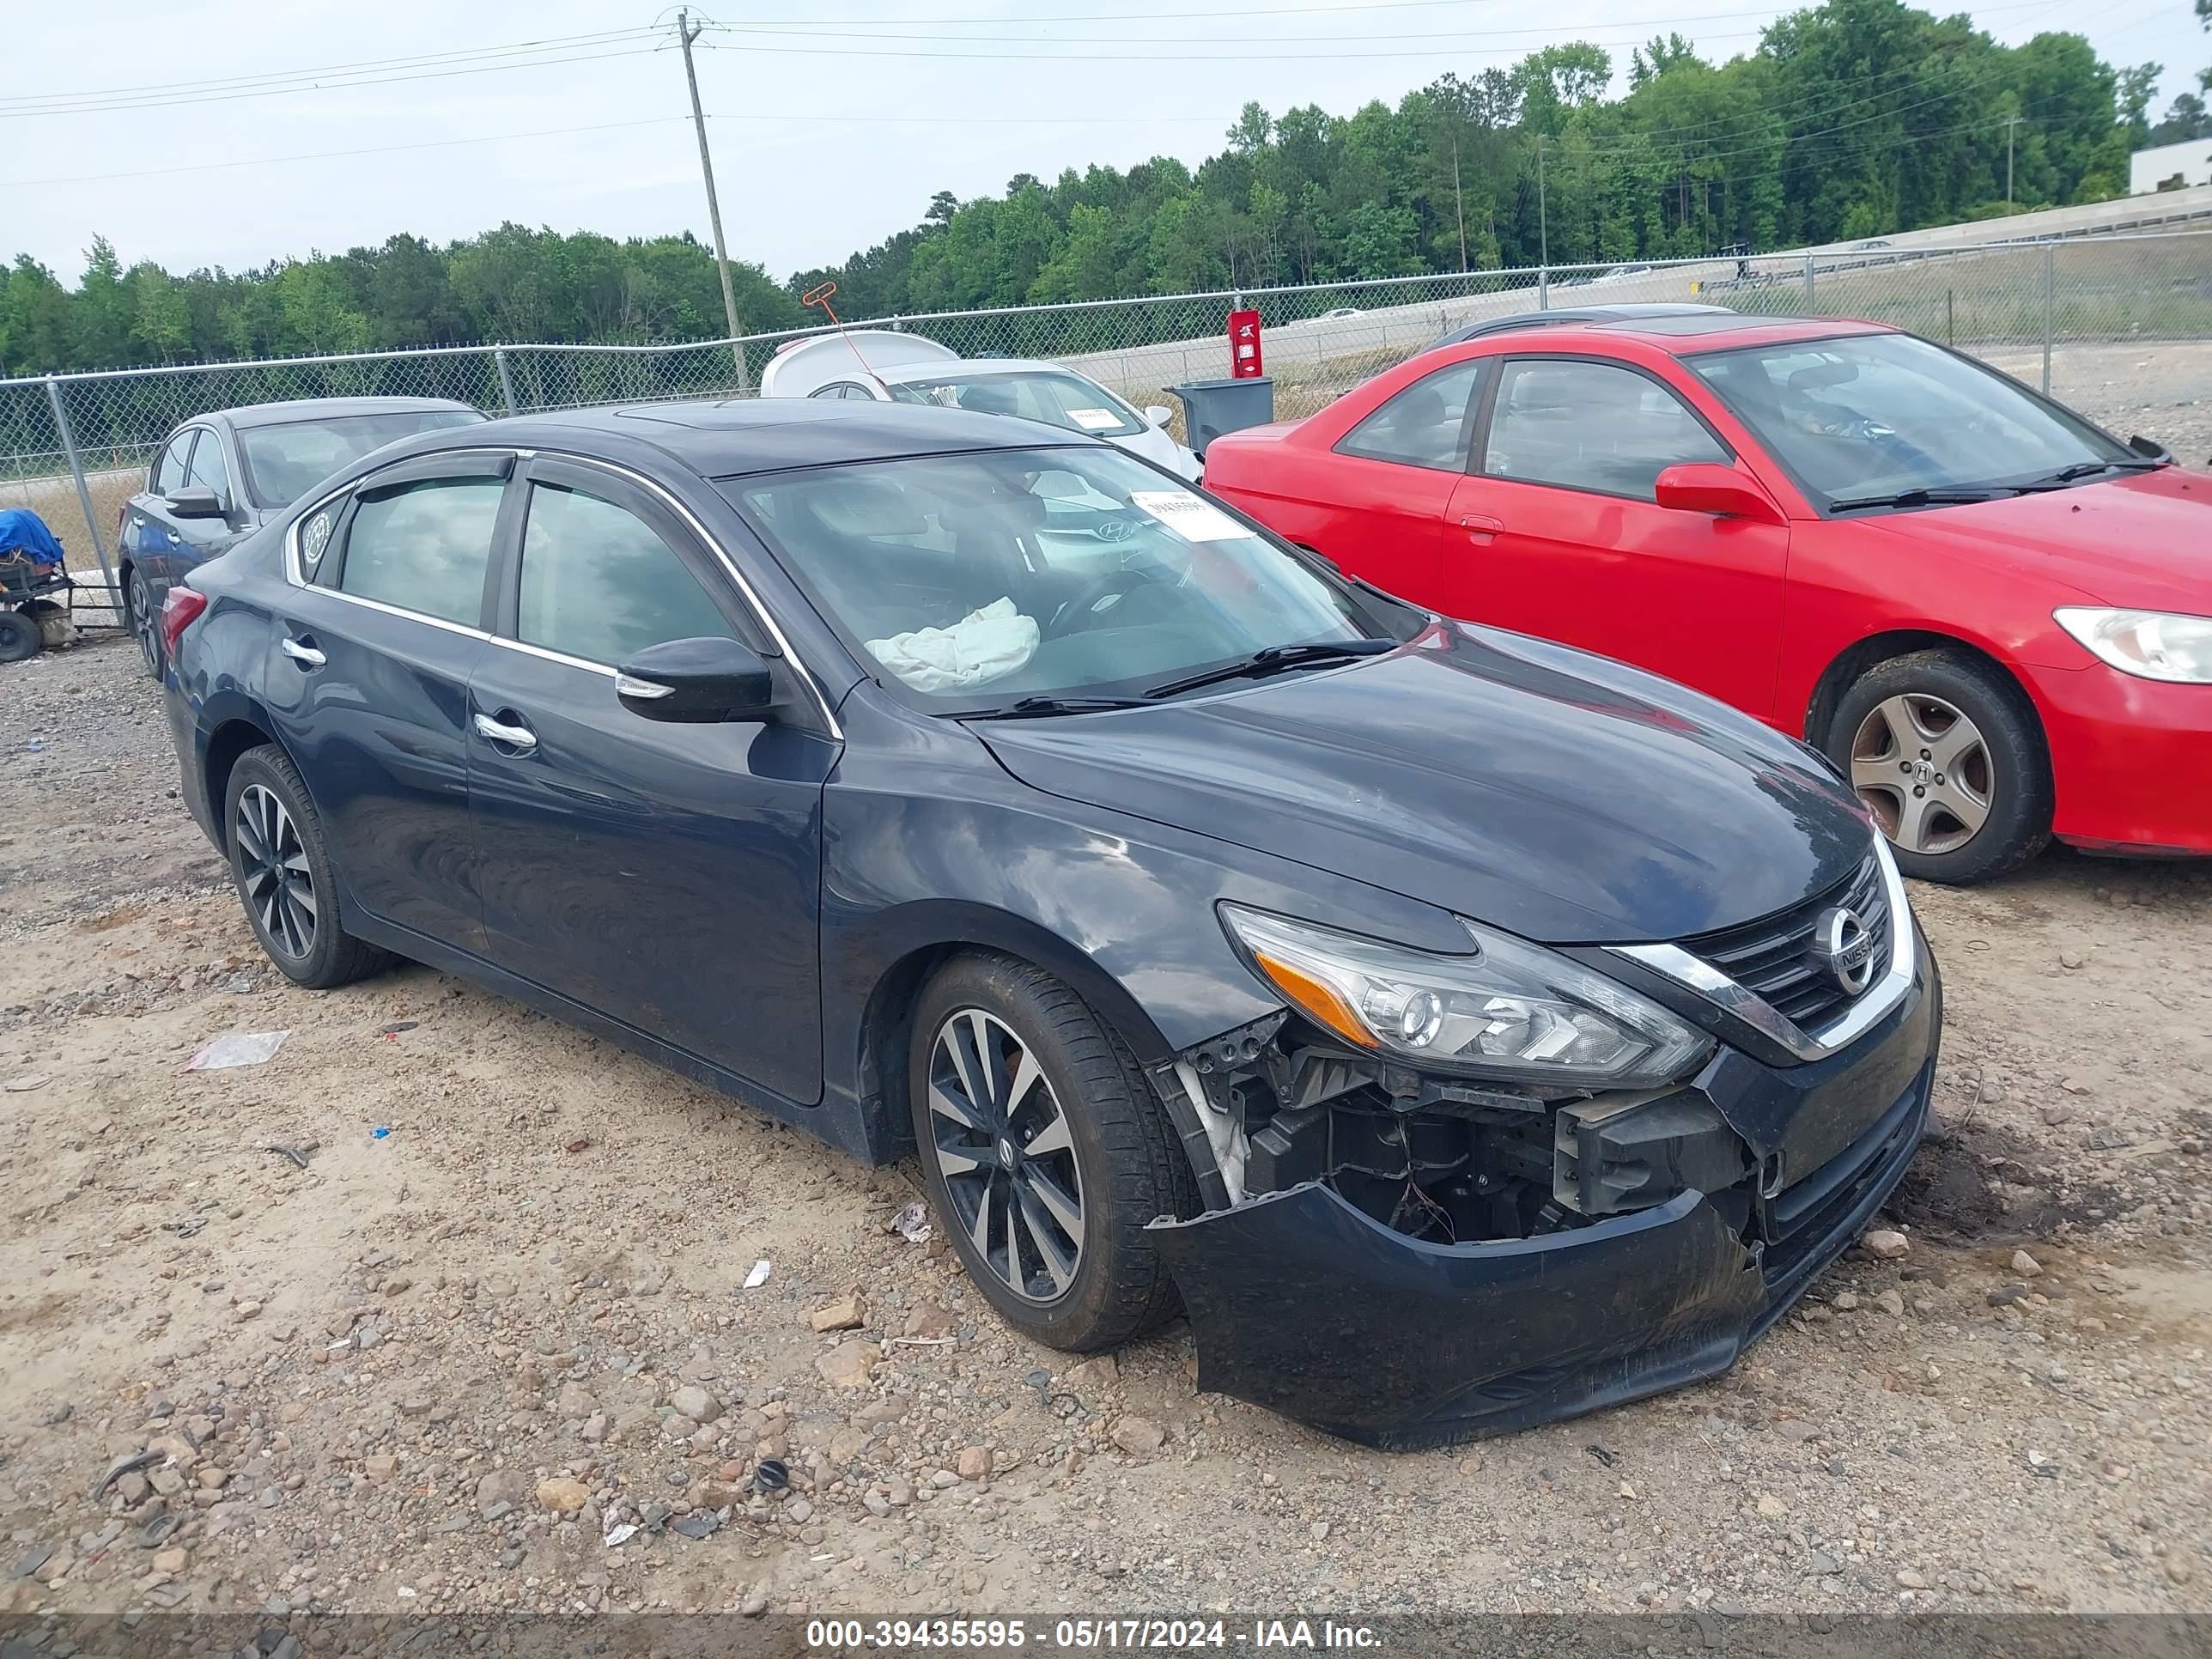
point(412, 60)
point(770, 118)
point(316, 86)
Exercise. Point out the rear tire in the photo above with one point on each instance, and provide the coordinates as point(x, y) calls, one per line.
point(145, 623)
point(285, 879)
point(1085, 1135)
point(1946, 752)
point(20, 636)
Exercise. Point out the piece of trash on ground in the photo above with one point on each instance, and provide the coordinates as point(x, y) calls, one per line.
point(299, 1154)
point(129, 1463)
point(398, 1026)
point(700, 1523)
point(758, 1276)
point(617, 1536)
point(912, 1224)
point(186, 1228)
point(379, 1133)
point(245, 1048)
point(771, 1474)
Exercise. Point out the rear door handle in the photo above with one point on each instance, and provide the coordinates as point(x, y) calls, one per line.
point(517, 736)
point(302, 652)
point(1481, 526)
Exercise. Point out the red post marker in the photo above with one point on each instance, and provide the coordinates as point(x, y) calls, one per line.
point(1244, 361)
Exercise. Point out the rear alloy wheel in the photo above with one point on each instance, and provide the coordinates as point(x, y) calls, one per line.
point(145, 624)
point(284, 876)
point(1946, 753)
point(1045, 1152)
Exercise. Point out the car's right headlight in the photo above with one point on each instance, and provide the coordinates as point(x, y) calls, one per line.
point(1507, 1009)
point(2152, 645)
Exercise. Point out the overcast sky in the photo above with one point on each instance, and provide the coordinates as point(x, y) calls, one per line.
point(237, 181)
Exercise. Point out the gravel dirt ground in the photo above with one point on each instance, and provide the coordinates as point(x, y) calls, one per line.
point(447, 1367)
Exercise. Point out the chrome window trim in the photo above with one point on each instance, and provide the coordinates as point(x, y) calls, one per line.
point(745, 589)
point(1695, 973)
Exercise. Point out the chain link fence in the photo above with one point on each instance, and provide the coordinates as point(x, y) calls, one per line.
point(2072, 316)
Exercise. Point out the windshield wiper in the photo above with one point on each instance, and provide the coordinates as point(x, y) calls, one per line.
point(1273, 660)
point(1948, 497)
point(1023, 708)
point(2067, 475)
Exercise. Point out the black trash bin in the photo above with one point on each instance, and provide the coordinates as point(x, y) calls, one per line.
point(1210, 408)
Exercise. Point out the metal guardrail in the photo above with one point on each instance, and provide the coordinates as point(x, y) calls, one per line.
point(73, 446)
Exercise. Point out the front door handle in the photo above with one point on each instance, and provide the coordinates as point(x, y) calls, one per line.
point(302, 653)
point(517, 736)
point(1481, 526)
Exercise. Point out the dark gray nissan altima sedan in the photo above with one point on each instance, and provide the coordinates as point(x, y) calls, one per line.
point(1465, 1031)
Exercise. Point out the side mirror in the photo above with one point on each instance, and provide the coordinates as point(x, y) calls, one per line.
point(1158, 414)
point(1708, 487)
point(2149, 448)
point(696, 681)
point(193, 501)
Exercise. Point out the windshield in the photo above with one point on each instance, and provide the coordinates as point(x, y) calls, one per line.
point(283, 463)
point(1878, 414)
point(1055, 396)
point(970, 581)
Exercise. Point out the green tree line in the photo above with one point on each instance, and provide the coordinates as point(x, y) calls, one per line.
point(1851, 120)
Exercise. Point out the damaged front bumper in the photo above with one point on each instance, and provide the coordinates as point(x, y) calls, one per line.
point(1303, 1303)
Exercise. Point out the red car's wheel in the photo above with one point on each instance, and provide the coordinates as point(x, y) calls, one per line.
point(1947, 754)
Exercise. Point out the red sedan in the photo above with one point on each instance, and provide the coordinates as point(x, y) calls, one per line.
point(1995, 617)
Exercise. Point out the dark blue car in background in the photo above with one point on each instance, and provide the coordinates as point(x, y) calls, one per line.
point(1464, 1031)
point(225, 473)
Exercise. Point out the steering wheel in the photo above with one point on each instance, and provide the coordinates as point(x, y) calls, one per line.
point(1070, 616)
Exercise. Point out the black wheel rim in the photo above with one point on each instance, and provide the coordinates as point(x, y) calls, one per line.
point(273, 871)
point(145, 625)
point(1002, 1143)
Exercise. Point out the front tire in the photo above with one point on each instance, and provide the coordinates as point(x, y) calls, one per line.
point(1045, 1152)
point(1946, 752)
point(284, 876)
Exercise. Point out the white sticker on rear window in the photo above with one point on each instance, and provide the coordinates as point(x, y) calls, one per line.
point(1190, 517)
point(1095, 420)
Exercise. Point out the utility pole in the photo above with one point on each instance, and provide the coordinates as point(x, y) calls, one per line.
point(1543, 218)
point(2011, 121)
point(687, 32)
point(1459, 203)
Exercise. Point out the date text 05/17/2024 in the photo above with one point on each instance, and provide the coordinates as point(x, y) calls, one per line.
point(1086, 1635)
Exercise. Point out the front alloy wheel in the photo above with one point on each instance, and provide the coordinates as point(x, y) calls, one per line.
point(1944, 749)
point(1922, 769)
point(1002, 1144)
point(1045, 1152)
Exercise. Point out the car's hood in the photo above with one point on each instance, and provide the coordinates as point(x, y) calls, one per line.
point(1161, 450)
point(1562, 797)
point(2143, 540)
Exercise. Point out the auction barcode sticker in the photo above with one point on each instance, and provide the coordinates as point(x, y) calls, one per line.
point(1191, 517)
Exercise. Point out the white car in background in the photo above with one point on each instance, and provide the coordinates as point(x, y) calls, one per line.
point(881, 367)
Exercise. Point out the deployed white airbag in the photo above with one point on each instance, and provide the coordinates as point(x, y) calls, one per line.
point(983, 646)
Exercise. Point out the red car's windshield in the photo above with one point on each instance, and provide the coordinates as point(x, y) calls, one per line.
point(1874, 415)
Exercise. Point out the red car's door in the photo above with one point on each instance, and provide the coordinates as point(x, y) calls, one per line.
point(1554, 532)
point(1375, 501)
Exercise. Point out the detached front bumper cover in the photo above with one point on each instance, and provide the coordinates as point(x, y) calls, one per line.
point(1302, 1304)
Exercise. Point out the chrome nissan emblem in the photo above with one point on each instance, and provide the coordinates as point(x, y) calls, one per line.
point(1842, 944)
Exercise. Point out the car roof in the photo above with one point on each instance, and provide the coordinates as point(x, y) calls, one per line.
point(322, 409)
point(1578, 313)
point(972, 368)
point(1685, 336)
point(744, 435)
